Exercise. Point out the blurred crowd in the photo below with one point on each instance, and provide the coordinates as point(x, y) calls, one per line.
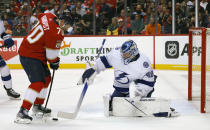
point(146, 17)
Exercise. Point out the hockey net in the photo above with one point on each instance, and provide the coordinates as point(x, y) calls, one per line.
point(199, 67)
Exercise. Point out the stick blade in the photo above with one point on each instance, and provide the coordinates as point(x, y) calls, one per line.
point(66, 115)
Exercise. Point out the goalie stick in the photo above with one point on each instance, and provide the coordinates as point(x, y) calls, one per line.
point(100, 49)
point(88, 65)
point(74, 115)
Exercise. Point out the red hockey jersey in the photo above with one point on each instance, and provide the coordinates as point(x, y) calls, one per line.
point(44, 40)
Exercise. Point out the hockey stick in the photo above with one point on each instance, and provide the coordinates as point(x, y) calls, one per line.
point(100, 50)
point(74, 115)
point(130, 102)
point(48, 96)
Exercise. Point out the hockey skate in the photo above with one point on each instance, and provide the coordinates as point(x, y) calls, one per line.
point(39, 111)
point(173, 113)
point(12, 94)
point(23, 117)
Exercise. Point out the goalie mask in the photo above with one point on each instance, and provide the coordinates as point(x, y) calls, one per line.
point(129, 51)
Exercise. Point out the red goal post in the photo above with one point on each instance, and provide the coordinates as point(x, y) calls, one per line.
point(198, 66)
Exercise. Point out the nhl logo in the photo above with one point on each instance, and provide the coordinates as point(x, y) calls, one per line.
point(172, 49)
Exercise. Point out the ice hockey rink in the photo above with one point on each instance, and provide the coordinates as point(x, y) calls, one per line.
point(65, 94)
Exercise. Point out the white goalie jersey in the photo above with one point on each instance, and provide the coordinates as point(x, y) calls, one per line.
point(139, 71)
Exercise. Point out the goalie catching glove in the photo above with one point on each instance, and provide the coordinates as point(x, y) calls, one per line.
point(88, 76)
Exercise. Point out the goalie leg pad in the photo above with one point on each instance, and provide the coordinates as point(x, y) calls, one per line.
point(132, 107)
point(107, 105)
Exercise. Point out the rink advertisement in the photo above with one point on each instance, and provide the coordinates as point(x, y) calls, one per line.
point(77, 50)
point(171, 52)
point(165, 52)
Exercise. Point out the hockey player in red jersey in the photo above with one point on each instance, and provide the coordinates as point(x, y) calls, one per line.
point(40, 46)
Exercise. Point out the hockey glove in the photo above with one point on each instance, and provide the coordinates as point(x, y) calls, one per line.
point(55, 65)
point(88, 74)
point(8, 42)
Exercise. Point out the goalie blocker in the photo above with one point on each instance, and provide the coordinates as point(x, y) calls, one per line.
point(138, 107)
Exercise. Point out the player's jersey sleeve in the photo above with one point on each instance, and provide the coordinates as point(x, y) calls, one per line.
point(53, 44)
point(53, 37)
point(104, 62)
point(148, 78)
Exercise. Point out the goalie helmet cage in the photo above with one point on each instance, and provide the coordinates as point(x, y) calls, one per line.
point(198, 67)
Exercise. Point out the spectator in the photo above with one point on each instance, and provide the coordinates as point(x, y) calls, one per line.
point(203, 4)
point(75, 17)
point(66, 9)
point(33, 20)
point(52, 8)
point(208, 8)
point(178, 11)
point(24, 23)
point(19, 30)
point(7, 27)
point(183, 25)
point(105, 9)
point(120, 6)
point(191, 5)
point(18, 17)
point(184, 7)
point(113, 27)
point(121, 27)
point(168, 25)
point(139, 10)
point(77, 29)
point(86, 23)
point(151, 27)
point(79, 9)
point(104, 14)
point(170, 6)
point(69, 30)
point(208, 24)
point(148, 15)
point(10, 12)
point(137, 25)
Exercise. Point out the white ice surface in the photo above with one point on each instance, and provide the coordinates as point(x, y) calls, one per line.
point(65, 94)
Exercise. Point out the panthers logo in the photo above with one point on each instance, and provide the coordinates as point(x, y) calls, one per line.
point(121, 77)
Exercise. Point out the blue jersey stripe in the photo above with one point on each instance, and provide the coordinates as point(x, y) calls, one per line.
point(123, 90)
point(105, 62)
point(6, 78)
point(151, 84)
point(2, 62)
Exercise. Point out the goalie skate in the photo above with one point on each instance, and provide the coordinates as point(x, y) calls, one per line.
point(12, 94)
point(23, 117)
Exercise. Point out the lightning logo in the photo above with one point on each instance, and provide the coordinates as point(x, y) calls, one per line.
point(121, 77)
